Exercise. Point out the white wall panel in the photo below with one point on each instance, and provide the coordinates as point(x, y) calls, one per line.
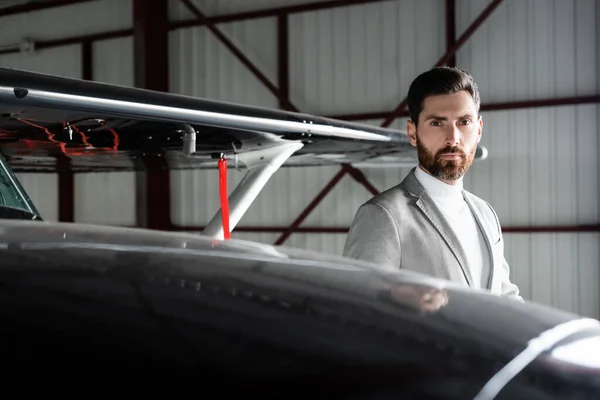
point(362, 58)
point(558, 269)
point(105, 198)
point(113, 61)
point(42, 188)
point(202, 66)
point(542, 167)
point(66, 21)
point(62, 61)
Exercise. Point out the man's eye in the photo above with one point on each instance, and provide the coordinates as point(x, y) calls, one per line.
point(435, 123)
point(465, 121)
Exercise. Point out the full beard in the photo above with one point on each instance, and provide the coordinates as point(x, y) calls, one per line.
point(440, 168)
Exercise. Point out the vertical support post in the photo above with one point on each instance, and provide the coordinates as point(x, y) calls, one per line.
point(87, 60)
point(151, 59)
point(451, 30)
point(153, 190)
point(150, 43)
point(66, 190)
point(66, 177)
point(283, 60)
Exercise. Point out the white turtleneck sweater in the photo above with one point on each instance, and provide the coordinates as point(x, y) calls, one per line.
point(450, 201)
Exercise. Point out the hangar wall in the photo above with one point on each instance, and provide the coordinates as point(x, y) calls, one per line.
point(542, 169)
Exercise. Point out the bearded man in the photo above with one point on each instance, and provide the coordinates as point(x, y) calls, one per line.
point(429, 223)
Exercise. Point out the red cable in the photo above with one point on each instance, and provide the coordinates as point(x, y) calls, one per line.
point(224, 197)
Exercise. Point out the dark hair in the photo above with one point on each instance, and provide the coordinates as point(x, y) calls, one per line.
point(439, 80)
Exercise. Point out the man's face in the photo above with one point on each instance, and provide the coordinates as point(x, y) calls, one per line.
point(447, 134)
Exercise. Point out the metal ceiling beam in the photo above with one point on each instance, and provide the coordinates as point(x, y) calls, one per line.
point(273, 12)
point(255, 14)
point(511, 105)
point(38, 6)
point(449, 54)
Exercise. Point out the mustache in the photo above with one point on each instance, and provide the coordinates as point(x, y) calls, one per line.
point(449, 149)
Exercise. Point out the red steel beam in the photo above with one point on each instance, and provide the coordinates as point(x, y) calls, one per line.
point(449, 54)
point(150, 41)
point(66, 177)
point(362, 179)
point(48, 44)
point(451, 30)
point(151, 61)
point(272, 12)
point(38, 6)
point(512, 105)
point(153, 194)
point(87, 61)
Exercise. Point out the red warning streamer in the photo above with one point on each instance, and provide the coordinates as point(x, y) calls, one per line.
point(224, 196)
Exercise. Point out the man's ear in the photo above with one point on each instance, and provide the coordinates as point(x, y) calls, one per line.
point(411, 129)
point(480, 128)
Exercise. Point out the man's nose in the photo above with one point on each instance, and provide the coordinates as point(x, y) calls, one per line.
point(453, 135)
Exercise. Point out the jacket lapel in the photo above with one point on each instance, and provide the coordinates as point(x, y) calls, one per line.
point(486, 235)
point(435, 216)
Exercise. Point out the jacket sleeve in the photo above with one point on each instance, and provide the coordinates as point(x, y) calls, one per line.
point(507, 288)
point(373, 237)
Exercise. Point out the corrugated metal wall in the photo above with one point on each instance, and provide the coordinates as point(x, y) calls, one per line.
point(542, 167)
point(362, 58)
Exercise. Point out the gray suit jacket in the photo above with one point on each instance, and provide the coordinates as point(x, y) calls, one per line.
point(403, 228)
